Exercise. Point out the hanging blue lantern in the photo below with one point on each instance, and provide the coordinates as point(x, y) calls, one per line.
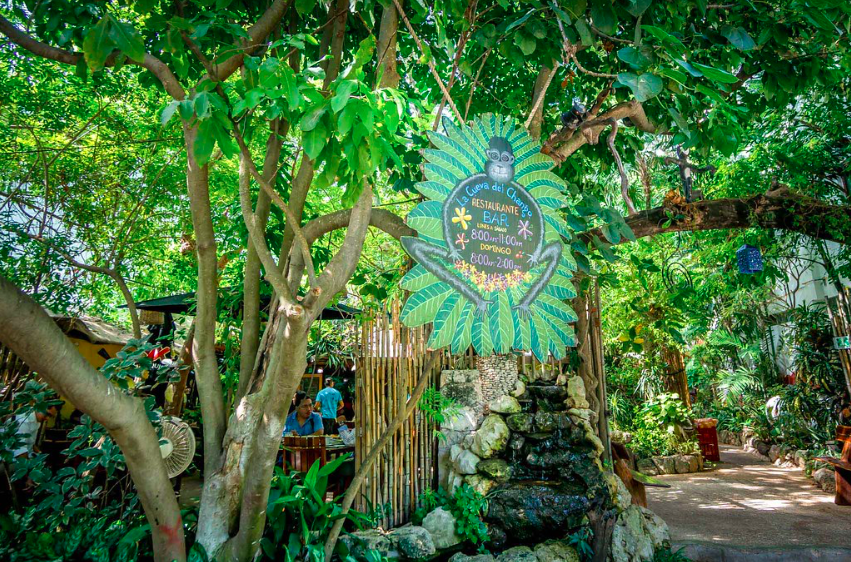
point(749, 259)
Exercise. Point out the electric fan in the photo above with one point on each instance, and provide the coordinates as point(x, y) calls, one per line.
point(177, 445)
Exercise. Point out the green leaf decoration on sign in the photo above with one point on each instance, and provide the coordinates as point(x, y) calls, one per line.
point(423, 305)
point(491, 226)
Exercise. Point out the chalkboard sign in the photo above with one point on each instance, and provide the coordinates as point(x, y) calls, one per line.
point(493, 270)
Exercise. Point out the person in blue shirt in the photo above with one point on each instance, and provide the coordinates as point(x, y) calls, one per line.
point(328, 401)
point(303, 421)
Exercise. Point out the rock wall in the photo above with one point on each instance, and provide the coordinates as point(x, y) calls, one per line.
point(498, 374)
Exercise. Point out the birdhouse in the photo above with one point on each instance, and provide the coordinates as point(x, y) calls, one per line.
point(749, 259)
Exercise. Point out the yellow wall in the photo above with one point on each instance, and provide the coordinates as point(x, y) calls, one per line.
point(89, 351)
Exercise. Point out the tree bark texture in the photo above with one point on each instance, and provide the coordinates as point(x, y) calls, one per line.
point(779, 209)
point(386, 47)
point(251, 283)
point(203, 348)
point(34, 337)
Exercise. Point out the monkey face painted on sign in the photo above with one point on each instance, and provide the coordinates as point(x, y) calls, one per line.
point(500, 164)
point(487, 196)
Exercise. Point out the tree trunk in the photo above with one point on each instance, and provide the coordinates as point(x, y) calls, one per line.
point(251, 282)
point(27, 330)
point(203, 348)
point(387, 46)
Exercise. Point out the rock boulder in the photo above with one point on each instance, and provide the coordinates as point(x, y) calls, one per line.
point(440, 524)
point(491, 438)
point(413, 542)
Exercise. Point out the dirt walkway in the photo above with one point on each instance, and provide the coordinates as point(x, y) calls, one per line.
point(748, 503)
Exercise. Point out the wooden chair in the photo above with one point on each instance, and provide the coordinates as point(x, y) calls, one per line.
point(842, 465)
point(301, 452)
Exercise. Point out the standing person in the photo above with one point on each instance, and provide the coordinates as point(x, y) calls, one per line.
point(328, 401)
point(303, 421)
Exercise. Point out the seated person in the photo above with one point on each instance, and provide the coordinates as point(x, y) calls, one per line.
point(303, 421)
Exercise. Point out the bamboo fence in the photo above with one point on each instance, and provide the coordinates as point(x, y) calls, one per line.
point(14, 373)
point(390, 363)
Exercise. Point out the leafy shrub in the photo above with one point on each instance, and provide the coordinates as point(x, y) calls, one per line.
point(466, 504)
point(298, 519)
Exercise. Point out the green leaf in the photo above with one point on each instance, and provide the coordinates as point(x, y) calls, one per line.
point(344, 91)
point(526, 43)
point(637, 7)
point(304, 7)
point(463, 330)
point(445, 321)
point(738, 37)
point(427, 219)
point(312, 117)
point(644, 87)
point(202, 106)
point(314, 141)
point(605, 250)
point(688, 68)
point(168, 112)
point(290, 85)
point(422, 306)
point(584, 31)
point(205, 142)
point(127, 39)
point(603, 16)
point(517, 23)
point(417, 278)
point(639, 58)
point(481, 336)
point(97, 45)
point(716, 74)
point(674, 75)
point(560, 13)
point(669, 41)
point(680, 121)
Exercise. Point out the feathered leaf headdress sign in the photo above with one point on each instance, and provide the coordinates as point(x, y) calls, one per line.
point(492, 267)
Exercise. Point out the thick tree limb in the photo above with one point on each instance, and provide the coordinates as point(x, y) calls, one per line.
point(387, 33)
point(563, 143)
point(279, 201)
point(382, 219)
point(157, 67)
point(341, 267)
point(338, 35)
point(539, 92)
point(257, 234)
point(204, 344)
point(28, 331)
point(778, 209)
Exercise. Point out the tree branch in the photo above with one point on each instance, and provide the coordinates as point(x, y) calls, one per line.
point(779, 209)
point(256, 34)
point(610, 141)
point(278, 200)
point(109, 272)
point(34, 337)
point(430, 62)
point(157, 67)
point(563, 143)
